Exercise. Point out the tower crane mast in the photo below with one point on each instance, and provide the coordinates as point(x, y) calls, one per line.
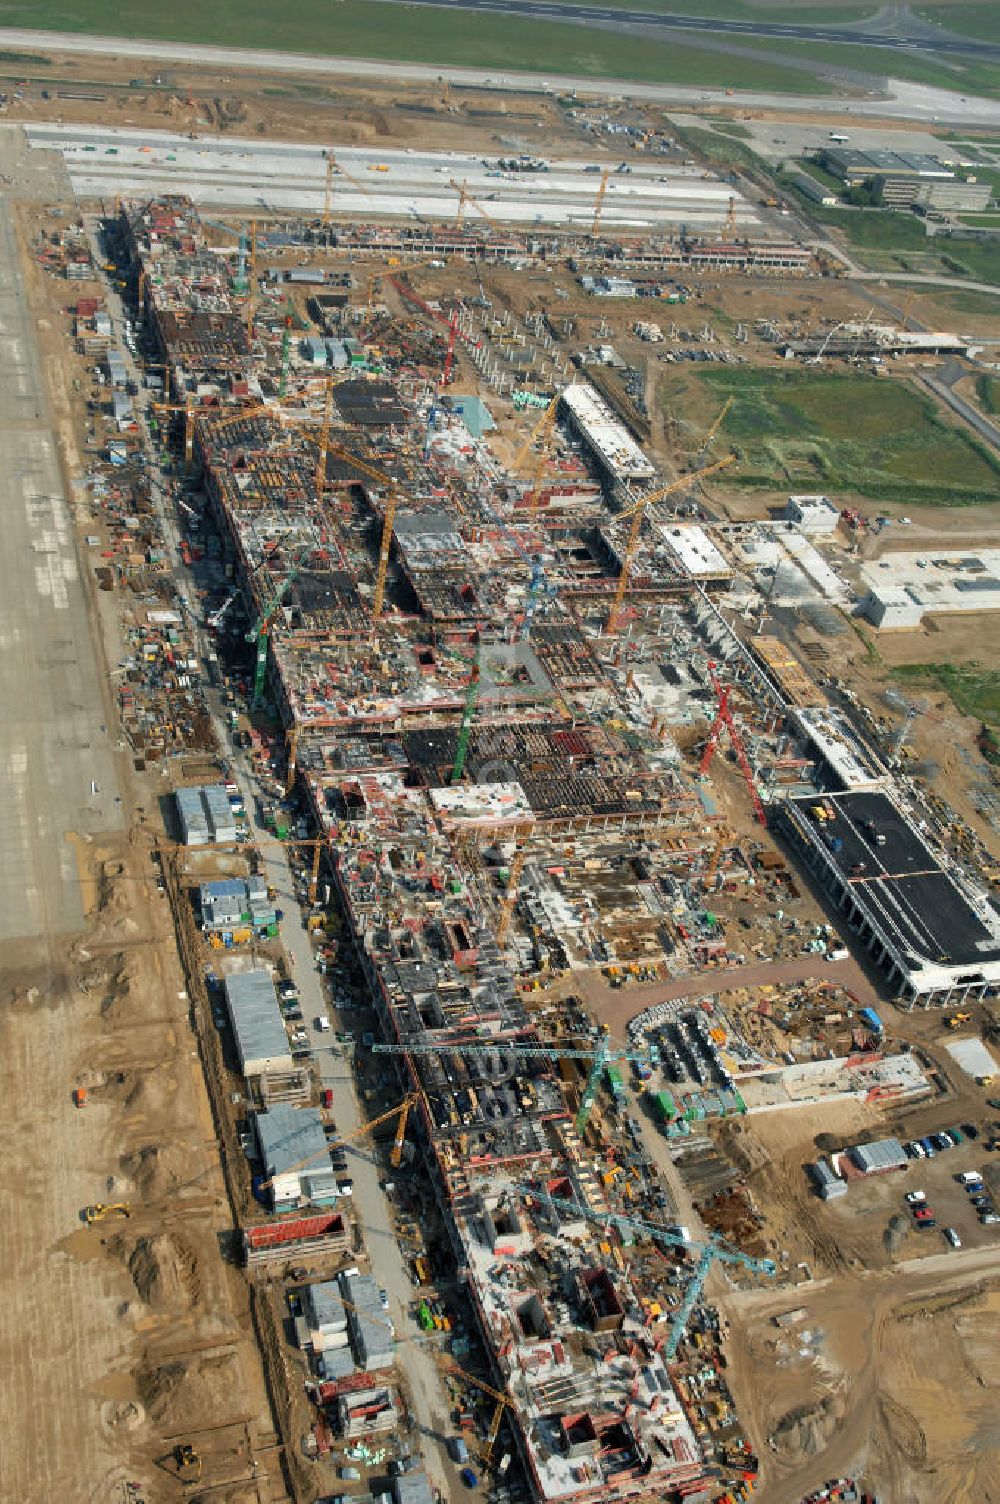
point(724, 718)
point(638, 513)
point(600, 1056)
point(714, 1250)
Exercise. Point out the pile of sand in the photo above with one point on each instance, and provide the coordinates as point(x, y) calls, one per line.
point(807, 1429)
point(165, 1271)
point(122, 1415)
point(896, 1233)
point(182, 1392)
point(157, 1170)
point(152, 1093)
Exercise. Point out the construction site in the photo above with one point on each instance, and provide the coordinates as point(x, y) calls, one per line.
point(517, 958)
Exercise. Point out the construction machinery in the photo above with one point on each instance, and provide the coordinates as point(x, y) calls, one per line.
point(102, 1210)
point(384, 549)
point(724, 718)
point(540, 435)
point(601, 1055)
point(510, 897)
point(188, 1461)
point(957, 1020)
point(504, 1402)
point(465, 197)
point(713, 1250)
point(218, 617)
point(599, 202)
point(637, 514)
point(187, 409)
point(465, 728)
point(316, 845)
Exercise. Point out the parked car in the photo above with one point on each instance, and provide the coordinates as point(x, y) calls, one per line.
point(469, 1478)
point(916, 1198)
point(953, 1238)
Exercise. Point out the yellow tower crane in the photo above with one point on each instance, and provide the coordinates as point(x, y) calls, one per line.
point(637, 513)
point(400, 1111)
point(504, 1402)
point(333, 167)
point(599, 202)
point(541, 435)
point(709, 438)
point(465, 197)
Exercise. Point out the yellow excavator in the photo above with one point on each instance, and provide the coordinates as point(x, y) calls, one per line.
point(188, 1462)
point(100, 1210)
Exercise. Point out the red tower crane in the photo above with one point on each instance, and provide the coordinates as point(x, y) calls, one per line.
point(450, 357)
point(724, 717)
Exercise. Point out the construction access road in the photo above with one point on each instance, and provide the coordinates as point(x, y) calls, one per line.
point(57, 760)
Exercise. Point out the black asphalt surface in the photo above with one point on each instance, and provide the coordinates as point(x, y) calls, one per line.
point(558, 10)
point(903, 883)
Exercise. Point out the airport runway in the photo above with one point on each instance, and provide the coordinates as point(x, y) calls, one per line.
point(916, 40)
point(56, 764)
point(902, 100)
point(228, 172)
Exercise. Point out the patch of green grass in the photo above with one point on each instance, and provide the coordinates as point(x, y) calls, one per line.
point(825, 179)
point(988, 392)
point(747, 10)
point(842, 433)
point(734, 129)
point(720, 151)
point(964, 301)
point(973, 689)
point(981, 21)
point(943, 70)
point(26, 59)
point(976, 260)
point(365, 28)
point(870, 229)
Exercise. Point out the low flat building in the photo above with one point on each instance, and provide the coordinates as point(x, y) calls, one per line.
point(258, 1027)
point(879, 1157)
point(293, 1150)
point(934, 936)
point(206, 815)
point(812, 514)
point(606, 438)
point(828, 1183)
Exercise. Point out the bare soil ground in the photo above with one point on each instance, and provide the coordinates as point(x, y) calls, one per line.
point(119, 1339)
point(893, 1380)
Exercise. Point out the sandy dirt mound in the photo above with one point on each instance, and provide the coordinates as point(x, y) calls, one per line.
point(122, 1415)
point(182, 1392)
point(157, 1170)
point(806, 1430)
point(153, 1092)
point(165, 1271)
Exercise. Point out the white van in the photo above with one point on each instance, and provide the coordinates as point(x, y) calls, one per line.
point(322, 1023)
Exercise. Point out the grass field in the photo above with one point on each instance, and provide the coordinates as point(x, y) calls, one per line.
point(867, 436)
point(943, 70)
point(988, 393)
point(973, 689)
point(982, 20)
point(362, 28)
